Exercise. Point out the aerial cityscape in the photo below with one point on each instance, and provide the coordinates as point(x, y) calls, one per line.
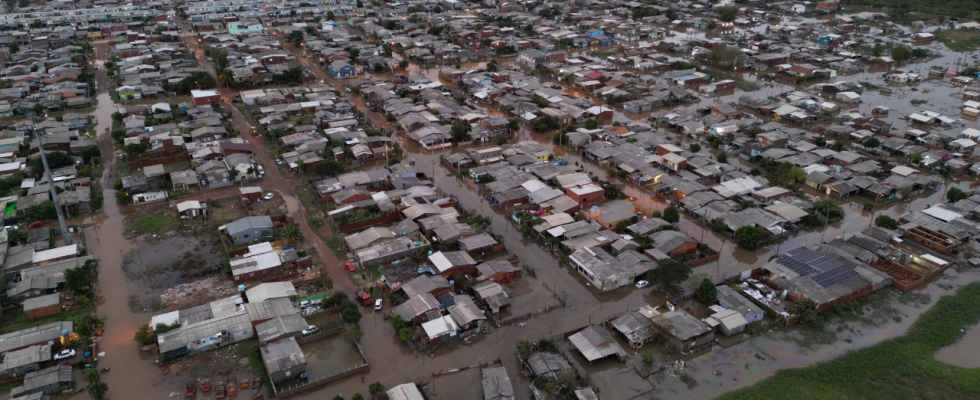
point(491, 200)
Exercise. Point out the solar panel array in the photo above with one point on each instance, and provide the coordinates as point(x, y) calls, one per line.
point(834, 276)
point(805, 262)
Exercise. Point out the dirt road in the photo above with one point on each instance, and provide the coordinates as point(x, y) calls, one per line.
point(273, 180)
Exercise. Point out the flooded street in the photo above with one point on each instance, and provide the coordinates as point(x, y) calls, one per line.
point(393, 362)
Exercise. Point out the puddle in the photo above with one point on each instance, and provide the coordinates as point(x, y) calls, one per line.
point(963, 353)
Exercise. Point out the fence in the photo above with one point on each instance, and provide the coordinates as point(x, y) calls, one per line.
point(158, 161)
point(363, 224)
point(461, 369)
point(323, 380)
point(513, 320)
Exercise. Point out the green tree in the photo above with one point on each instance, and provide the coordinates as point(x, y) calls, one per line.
point(748, 236)
point(330, 15)
point(886, 222)
point(14, 48)
point(591, 123)
point(359, 4)
point(838, 146)
point(707, 291)
point(78, 279)
point(338, 397)
point(748, 204)
point(878, 50)
point(220, 58)
point(42, 212)
point(727, 14)
point(728, 56)
point(671, 214)
point(669, 274)
point(871, 142)
point(376, 389)
point(820, 141)
point(89, 153)
point(695, 148)
point(135, 149)
point(405, 334)
point(901, 54)
point(403, 64)
point(540, 101)
point(514, 124)
point(460, 131)
point(357, 396)
point(295, 38)
point(288, 232)
point(955, 194)
point(145, 336)
point(722, 157)
point(492, 65)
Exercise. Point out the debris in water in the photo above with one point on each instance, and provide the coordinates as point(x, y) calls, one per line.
point(759, 357)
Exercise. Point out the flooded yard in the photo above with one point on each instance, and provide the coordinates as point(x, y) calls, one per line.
point(965, 353)
point(172, 263)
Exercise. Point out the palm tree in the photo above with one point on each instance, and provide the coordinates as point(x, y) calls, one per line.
point(226, 77)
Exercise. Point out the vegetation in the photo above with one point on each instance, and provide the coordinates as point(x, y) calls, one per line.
point(671, 214)
point(886, 222)
point(749, 237)
point(668, 275)
point(731, 57)
point(955, 194)
point(959, 39)
point(903, 367)
point(707, 291)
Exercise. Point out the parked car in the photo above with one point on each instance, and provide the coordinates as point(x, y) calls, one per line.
point(279, 224)
point(642, 284)
point(64, 354)
point(377, 304)
point(350, 267)
point(36, 224)
point(310, 330)
point(269, 196)
point(305, 303)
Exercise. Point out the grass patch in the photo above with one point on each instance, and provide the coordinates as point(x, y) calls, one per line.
point(305, 197)
point(156, 223)
point(375, 273)
point(337, 245)
point(14, 318)
point(898, 368)
point(249, 349)
point(8, 387)
point(959, 39)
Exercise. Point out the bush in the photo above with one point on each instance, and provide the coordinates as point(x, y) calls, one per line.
point(671, 215)
point(955, 194)
point(707, 291)
point(886, 222)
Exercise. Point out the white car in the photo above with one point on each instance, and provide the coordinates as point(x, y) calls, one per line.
point(642, 284)
point(310, 330)
point(67, 353)
point(209, 58)
point(268, 196)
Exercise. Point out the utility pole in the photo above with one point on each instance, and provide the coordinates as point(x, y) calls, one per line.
point(47, 170)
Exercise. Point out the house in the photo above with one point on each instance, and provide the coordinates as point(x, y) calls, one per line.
point(586, 196)
point(435, 285)
point(605, 271)
point(19, 362)
point(479, 244)
point(728, 322)
point(60, 332)
point(496, 384)
point(672, 243)
point(190, 209)
point(610, 214)
point(413, 311)
point(220, 323)
point(440, 330)
point(281, 327)
point(205, 97)
point(687, 333)
point(485, 155)
point(405, 391)
point(42, 306)
point(341, 69)
point(499, 271)
point(48, 381)
point(596, 343)
point(452, 262)
point(368, 237)
point(732, 300)
point(248, 229)
point(283, 359)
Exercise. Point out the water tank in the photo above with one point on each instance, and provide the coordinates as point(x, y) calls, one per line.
point(451, 283)
point(241, 288)
point(595, 208)
point(430, 252)
point(64, 332)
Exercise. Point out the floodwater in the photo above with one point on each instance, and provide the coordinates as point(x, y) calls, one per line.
point(964, 352)
point(329, 356)
point(393, 362)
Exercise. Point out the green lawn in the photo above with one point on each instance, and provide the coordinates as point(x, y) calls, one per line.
point(900, 368)
point(959, 39)
point(156, 222)
point(14, 318)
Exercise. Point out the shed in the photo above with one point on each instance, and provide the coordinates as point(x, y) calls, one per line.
point(283, 359)
point(596, 343)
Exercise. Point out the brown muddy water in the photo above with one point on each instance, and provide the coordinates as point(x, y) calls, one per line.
point(965, 352)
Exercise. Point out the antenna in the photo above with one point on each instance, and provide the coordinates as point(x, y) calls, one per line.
point(47, 170)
